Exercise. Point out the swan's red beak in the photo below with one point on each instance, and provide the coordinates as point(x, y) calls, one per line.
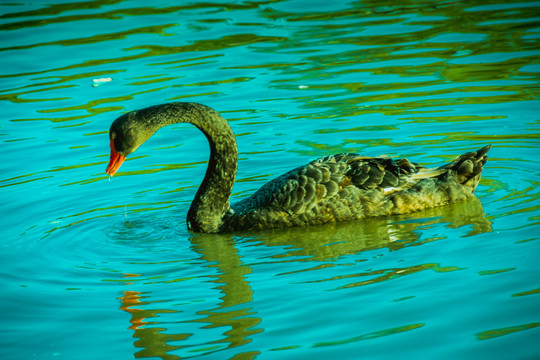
point(116, 160)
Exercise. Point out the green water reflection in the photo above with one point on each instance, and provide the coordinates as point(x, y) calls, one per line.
point(239, 320)
point(426, 80)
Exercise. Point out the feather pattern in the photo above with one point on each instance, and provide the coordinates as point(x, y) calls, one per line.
point(350, 187)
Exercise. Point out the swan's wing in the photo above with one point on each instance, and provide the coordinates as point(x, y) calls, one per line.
point(302, 188)
point(351, 186)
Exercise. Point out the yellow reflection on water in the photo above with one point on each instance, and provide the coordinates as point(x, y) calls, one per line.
point(371, 335)
point(494, 333)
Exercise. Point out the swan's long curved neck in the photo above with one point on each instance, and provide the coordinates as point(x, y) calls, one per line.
point(212, 199)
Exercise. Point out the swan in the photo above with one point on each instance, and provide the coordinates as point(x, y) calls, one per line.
point(339, 187)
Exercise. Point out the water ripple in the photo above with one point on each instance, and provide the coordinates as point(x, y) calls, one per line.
point(114, 260)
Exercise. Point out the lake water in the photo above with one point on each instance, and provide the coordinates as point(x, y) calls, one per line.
point(99, 269)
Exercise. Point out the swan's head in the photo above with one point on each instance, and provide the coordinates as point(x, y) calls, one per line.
point(126, 134)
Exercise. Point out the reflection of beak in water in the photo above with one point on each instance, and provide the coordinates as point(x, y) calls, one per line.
point(151, 339)
point(129, 300)
point(235, 313)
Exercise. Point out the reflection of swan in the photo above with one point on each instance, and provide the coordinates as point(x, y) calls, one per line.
point(332, 188)
point(236, 314)
point(335, 240)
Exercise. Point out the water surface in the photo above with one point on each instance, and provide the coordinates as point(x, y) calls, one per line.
point(99, 269)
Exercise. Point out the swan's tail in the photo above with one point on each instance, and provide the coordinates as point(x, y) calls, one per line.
point(468, 167)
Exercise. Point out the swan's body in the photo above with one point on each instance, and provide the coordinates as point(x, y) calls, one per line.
point(332, 188)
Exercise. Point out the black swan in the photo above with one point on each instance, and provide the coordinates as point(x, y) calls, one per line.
point(332, 188)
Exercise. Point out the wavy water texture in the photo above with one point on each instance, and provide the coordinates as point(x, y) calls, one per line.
point(94, 268)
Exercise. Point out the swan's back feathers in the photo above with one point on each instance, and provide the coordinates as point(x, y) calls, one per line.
point(351, 186)
point(326, 189)
point(301, 189)
point(320, 180)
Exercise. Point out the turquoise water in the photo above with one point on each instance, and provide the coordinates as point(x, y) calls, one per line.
point(99, 269)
